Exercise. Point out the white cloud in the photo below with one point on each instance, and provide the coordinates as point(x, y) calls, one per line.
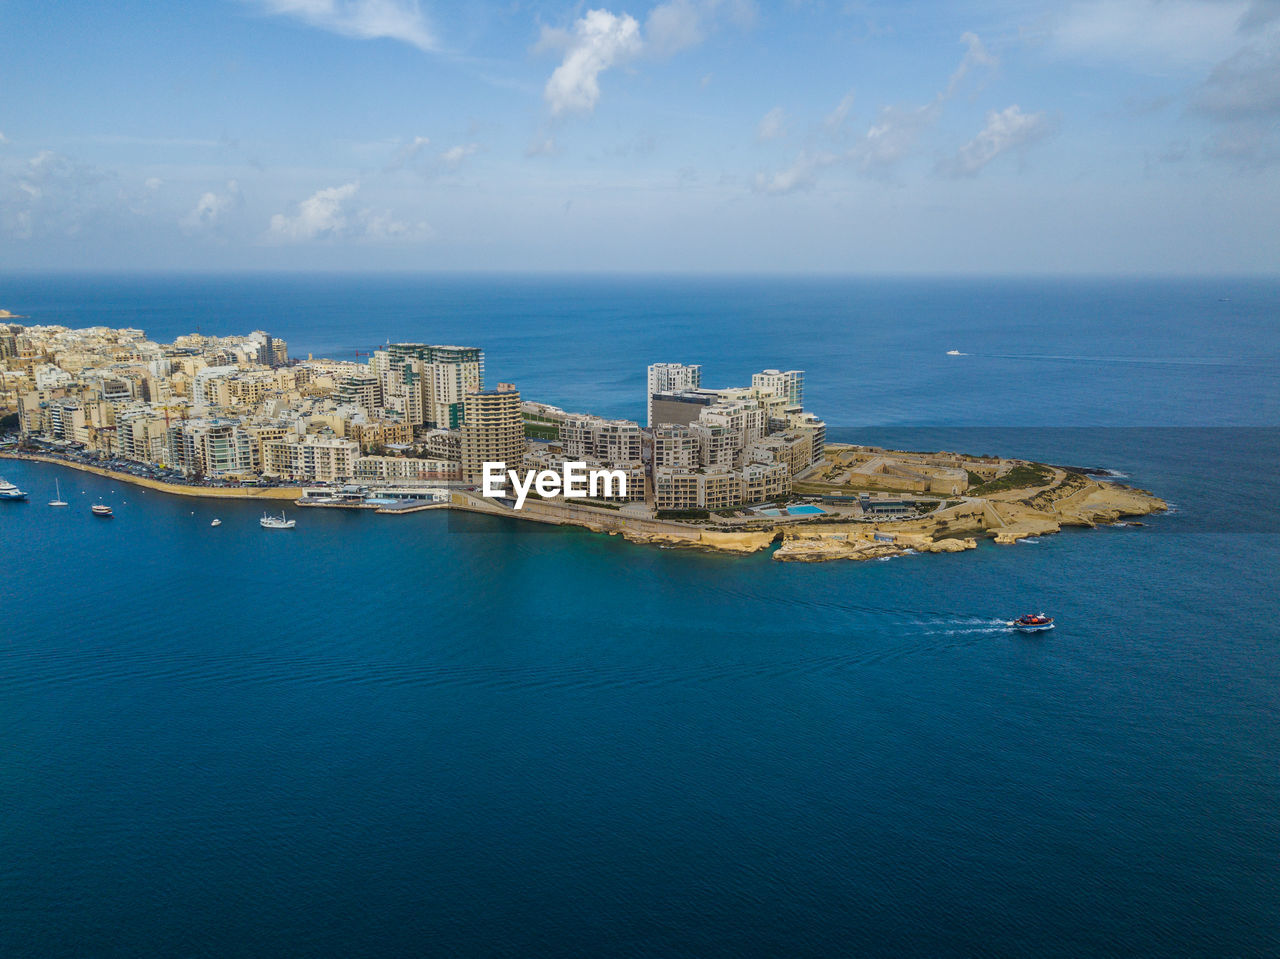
point(1242, 93)
point(407, 153)
point(680, 24)
point(1005, 130)
point(975, 55)
point(889, 140)
point(383, 228)
point(542, 145)
point(675, 26)
point(801, 175)
point(454, 156)
point(3, 138)
point(211, 207)
point(321, 214)
point(153, 183)
point(835, 119)
point(1246, 85)
point(330, 214)
point(1240, 39)
point(772, 125)
point(893, 136)
point(1151, 32)
point(54, 195)
point(599, 41)
point(364, 19)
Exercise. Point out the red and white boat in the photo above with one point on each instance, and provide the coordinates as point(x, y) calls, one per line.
point(1032, 622)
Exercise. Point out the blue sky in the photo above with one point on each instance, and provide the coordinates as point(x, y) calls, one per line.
point(1109, 136)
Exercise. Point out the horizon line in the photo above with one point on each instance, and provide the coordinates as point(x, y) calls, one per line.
point(9, 273)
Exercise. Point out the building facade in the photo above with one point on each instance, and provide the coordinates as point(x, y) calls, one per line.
point(670, 378)
point(492, 431)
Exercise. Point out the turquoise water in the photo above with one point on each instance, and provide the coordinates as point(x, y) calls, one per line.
point(803, 510)
point(446, 734)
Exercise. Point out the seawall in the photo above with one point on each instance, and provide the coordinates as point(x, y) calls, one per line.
point(177, 489)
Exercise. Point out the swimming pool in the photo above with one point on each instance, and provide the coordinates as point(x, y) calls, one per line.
point(804, 510)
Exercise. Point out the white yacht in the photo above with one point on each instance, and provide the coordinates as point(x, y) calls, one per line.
point(216, 522)
point(59, 501)
point(276, 522)
point(9, 491)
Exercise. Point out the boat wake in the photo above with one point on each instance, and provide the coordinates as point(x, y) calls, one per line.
point(977, 630)
point(1117, 360)
point(965, 626)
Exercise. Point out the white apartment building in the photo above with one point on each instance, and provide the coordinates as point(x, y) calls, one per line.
point(635, 473)
point(406, 469)
point(717, 445)
point(788, 384)
point(363, 390)
point(318, 457)
point(802, 422)
point(675, 447)
point(745, 419)
point(792, 449)
point(212, 447)
point(64, 420)
point(428, 384)
point(142, 435)
point(49, 377)
point(718, 488)
point(609, 441)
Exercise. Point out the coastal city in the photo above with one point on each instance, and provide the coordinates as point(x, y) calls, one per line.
point(415, 427)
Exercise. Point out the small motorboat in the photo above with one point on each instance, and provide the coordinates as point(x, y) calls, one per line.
point(101, 509)
point(216, 522)
point(1032, 622)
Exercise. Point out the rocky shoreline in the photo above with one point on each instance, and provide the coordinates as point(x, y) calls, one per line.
point(1070, 500)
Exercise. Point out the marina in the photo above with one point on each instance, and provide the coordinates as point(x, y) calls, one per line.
point(381, 499)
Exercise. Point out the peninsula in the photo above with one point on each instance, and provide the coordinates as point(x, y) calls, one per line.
point(734, 469)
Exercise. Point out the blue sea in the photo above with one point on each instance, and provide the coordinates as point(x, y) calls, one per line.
point(439, 734)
